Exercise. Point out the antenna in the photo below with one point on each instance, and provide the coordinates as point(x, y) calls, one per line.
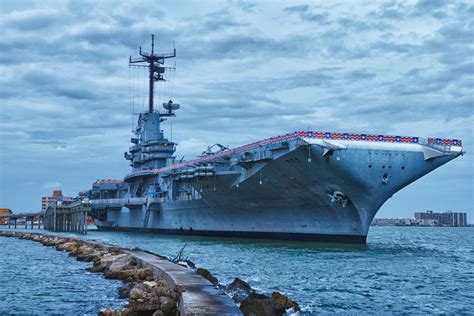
point(155, 62)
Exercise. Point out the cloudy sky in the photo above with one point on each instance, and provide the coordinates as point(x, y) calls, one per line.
point(244, 71)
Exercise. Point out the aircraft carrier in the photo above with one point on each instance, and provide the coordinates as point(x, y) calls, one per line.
point(304, 185)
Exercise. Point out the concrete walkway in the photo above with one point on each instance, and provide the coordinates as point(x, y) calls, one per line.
point(198, 295)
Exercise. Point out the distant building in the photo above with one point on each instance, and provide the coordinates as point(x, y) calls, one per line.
point(449, 218)
point(56, 197)
point(5, 211)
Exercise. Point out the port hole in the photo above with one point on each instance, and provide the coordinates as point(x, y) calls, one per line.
point(403, 167)
point(370, 166)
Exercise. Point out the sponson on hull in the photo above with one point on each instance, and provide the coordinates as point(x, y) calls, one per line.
point(304, 185)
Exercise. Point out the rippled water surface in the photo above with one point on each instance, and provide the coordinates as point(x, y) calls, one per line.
point(400, 270)
point(38, 280)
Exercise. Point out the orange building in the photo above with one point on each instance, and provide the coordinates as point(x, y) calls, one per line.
point(5, 211)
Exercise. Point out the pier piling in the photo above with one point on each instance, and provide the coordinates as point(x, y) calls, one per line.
point(67, 218)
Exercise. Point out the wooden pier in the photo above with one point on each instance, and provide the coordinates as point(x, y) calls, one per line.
point(27, 217)
point(67, 218)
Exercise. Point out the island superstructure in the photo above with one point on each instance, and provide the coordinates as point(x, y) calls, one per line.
point(304, 185)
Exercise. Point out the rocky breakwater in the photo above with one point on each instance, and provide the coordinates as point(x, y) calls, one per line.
point(156, 286)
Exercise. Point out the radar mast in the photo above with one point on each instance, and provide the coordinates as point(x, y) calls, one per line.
point(155, 63)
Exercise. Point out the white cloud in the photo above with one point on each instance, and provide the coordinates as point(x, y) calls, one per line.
point(52, 185)
point(191, 146)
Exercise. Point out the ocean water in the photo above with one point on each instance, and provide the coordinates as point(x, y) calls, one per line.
point(400, 270)
point(38, 280)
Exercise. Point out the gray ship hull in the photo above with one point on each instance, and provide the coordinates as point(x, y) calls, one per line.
point(290, 197)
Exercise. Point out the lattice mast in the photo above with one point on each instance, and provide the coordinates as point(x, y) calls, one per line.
point(156, 70)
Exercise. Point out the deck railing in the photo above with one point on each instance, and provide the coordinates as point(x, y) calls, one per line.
point(438, 143)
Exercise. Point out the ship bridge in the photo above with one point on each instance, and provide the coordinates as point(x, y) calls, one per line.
point(151, 149)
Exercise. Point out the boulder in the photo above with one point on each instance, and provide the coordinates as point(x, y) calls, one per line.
point(151, 284)
point(168, 305)
point(239, 290)
point(130, 275)
point(280, 301)
point(38, 238)
point(90, 256)
point(68, 246)
point(208, 275)
point(75, 251)
point(124, 291)
point(50, 241)
point(161, 288)
point(120, 263)
point(84, 250)
point(104, 262)
point(143, 299)
point(144, 274)
point(25, 236)
point(126, 275)
point(259, 304)
point(254, 303)
point(114, 312)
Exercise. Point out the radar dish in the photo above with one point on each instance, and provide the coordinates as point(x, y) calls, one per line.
point(170, 106)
